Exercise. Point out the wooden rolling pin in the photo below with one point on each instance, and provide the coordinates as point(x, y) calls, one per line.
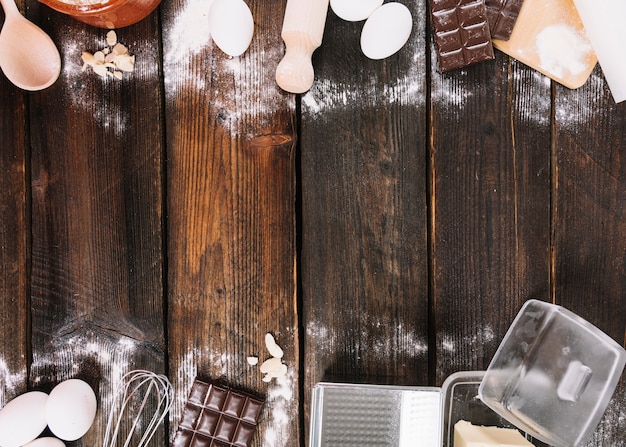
point(303, 28)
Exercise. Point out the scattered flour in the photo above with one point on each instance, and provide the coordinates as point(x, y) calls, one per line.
point(328, 95)
point(192, 23)
point(405, 343)
point(471, 343)
point(562, 49)
point(11, 383)
point(574, 112)
point(280, 408)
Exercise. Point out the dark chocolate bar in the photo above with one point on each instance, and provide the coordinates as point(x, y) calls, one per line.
point(461, 31)
point(216, 416)
point(502, 15)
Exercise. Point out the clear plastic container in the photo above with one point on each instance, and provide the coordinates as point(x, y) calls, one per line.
point(108, 14)
point(355, 415)
point(462, 403)
point(553, 375)
point(551, 379)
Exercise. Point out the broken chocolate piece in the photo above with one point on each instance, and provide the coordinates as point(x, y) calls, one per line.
point(461, 32)
point(502, 15)
point(217, 416)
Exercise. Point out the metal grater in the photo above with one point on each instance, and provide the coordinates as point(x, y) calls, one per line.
point(371, 416)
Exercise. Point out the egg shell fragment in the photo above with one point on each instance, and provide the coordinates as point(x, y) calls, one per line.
point(71, 409)
point(46, 442)
point(252, 360)
point(354, 10)
point(386, 31)
point(231, 26)
point(271, 364)
point(23, 419)
point(272, 346)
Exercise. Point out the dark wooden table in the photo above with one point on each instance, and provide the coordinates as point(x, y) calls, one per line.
point(386, 226)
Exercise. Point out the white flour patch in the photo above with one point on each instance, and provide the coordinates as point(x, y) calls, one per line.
point(326, 96)
point(486, 335)
point(575, 115)
point(241, 91)
point(467, 351)
point(190, 33)
point(115, 357)
point(537, 107)
point(447, 344)
point(280, 408)
point(447, 95)
point(404, 343)
point(11, 383)
point(186, 373)
point(562, 49)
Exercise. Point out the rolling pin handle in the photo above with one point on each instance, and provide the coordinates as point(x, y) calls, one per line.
point(295, 72)
point(302, 32)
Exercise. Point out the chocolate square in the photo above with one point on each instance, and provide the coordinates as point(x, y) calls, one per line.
point(216, 416)
point(502, 15)
point(461, 32)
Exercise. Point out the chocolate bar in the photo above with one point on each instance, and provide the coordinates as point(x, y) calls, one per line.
point(461, 32)
point(216, 416)
point(501, 16)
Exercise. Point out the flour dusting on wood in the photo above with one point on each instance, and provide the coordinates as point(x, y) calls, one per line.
point(405, 342)
point(328, 96)
point(473, 344)
point(562, 50)
point(11, 382)
point(280, 410)
point(190, 33)
point(574, 112)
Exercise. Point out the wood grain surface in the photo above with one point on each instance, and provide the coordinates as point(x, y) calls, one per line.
point(386, 226)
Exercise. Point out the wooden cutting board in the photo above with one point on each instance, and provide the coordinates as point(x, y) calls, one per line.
point(549, 37)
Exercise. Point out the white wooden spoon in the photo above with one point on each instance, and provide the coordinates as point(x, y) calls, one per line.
point(28, 56)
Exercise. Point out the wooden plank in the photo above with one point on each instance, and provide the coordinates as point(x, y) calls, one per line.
point(97, 261)
point(231, 216)
point(490, 151)
point(590, 221)
point(14, 230)
point(364, 220)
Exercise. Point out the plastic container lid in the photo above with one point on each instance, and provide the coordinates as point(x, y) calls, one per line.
point(553, 375)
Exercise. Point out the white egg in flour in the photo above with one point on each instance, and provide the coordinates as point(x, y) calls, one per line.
point(71, 409)
point(231, 26)
point(354, 10)
point(23, 419)
point(386, 31)
point(46, 442)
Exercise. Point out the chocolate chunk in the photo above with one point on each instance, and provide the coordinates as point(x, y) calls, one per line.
point(216, 416)
point(502, 15)
point(461, 32)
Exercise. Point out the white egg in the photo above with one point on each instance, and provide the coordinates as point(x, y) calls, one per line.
point(23, 419)
point(46, 442)
point(231, 26)
point(354, 10)
point(386, 30)
point(71, 409)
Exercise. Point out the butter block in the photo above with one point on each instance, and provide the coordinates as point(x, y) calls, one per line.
point(468, 435)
